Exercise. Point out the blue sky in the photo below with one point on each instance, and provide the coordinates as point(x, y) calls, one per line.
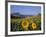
point(25, 10)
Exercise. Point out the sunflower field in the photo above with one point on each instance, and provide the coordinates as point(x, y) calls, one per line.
point(26, 24)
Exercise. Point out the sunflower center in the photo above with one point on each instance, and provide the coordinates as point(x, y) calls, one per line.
point(24, 23)
point(34, 25)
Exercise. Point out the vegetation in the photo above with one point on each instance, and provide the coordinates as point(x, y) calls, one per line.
point(27, 23)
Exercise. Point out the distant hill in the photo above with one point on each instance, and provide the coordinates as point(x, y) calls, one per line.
point(19, 15)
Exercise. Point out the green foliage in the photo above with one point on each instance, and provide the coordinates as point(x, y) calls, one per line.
point(35, 19)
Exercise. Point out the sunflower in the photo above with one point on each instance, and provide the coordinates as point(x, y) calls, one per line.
point(34, 26)
point(25, 24)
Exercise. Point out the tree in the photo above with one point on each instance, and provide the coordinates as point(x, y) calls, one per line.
point(39, 14)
